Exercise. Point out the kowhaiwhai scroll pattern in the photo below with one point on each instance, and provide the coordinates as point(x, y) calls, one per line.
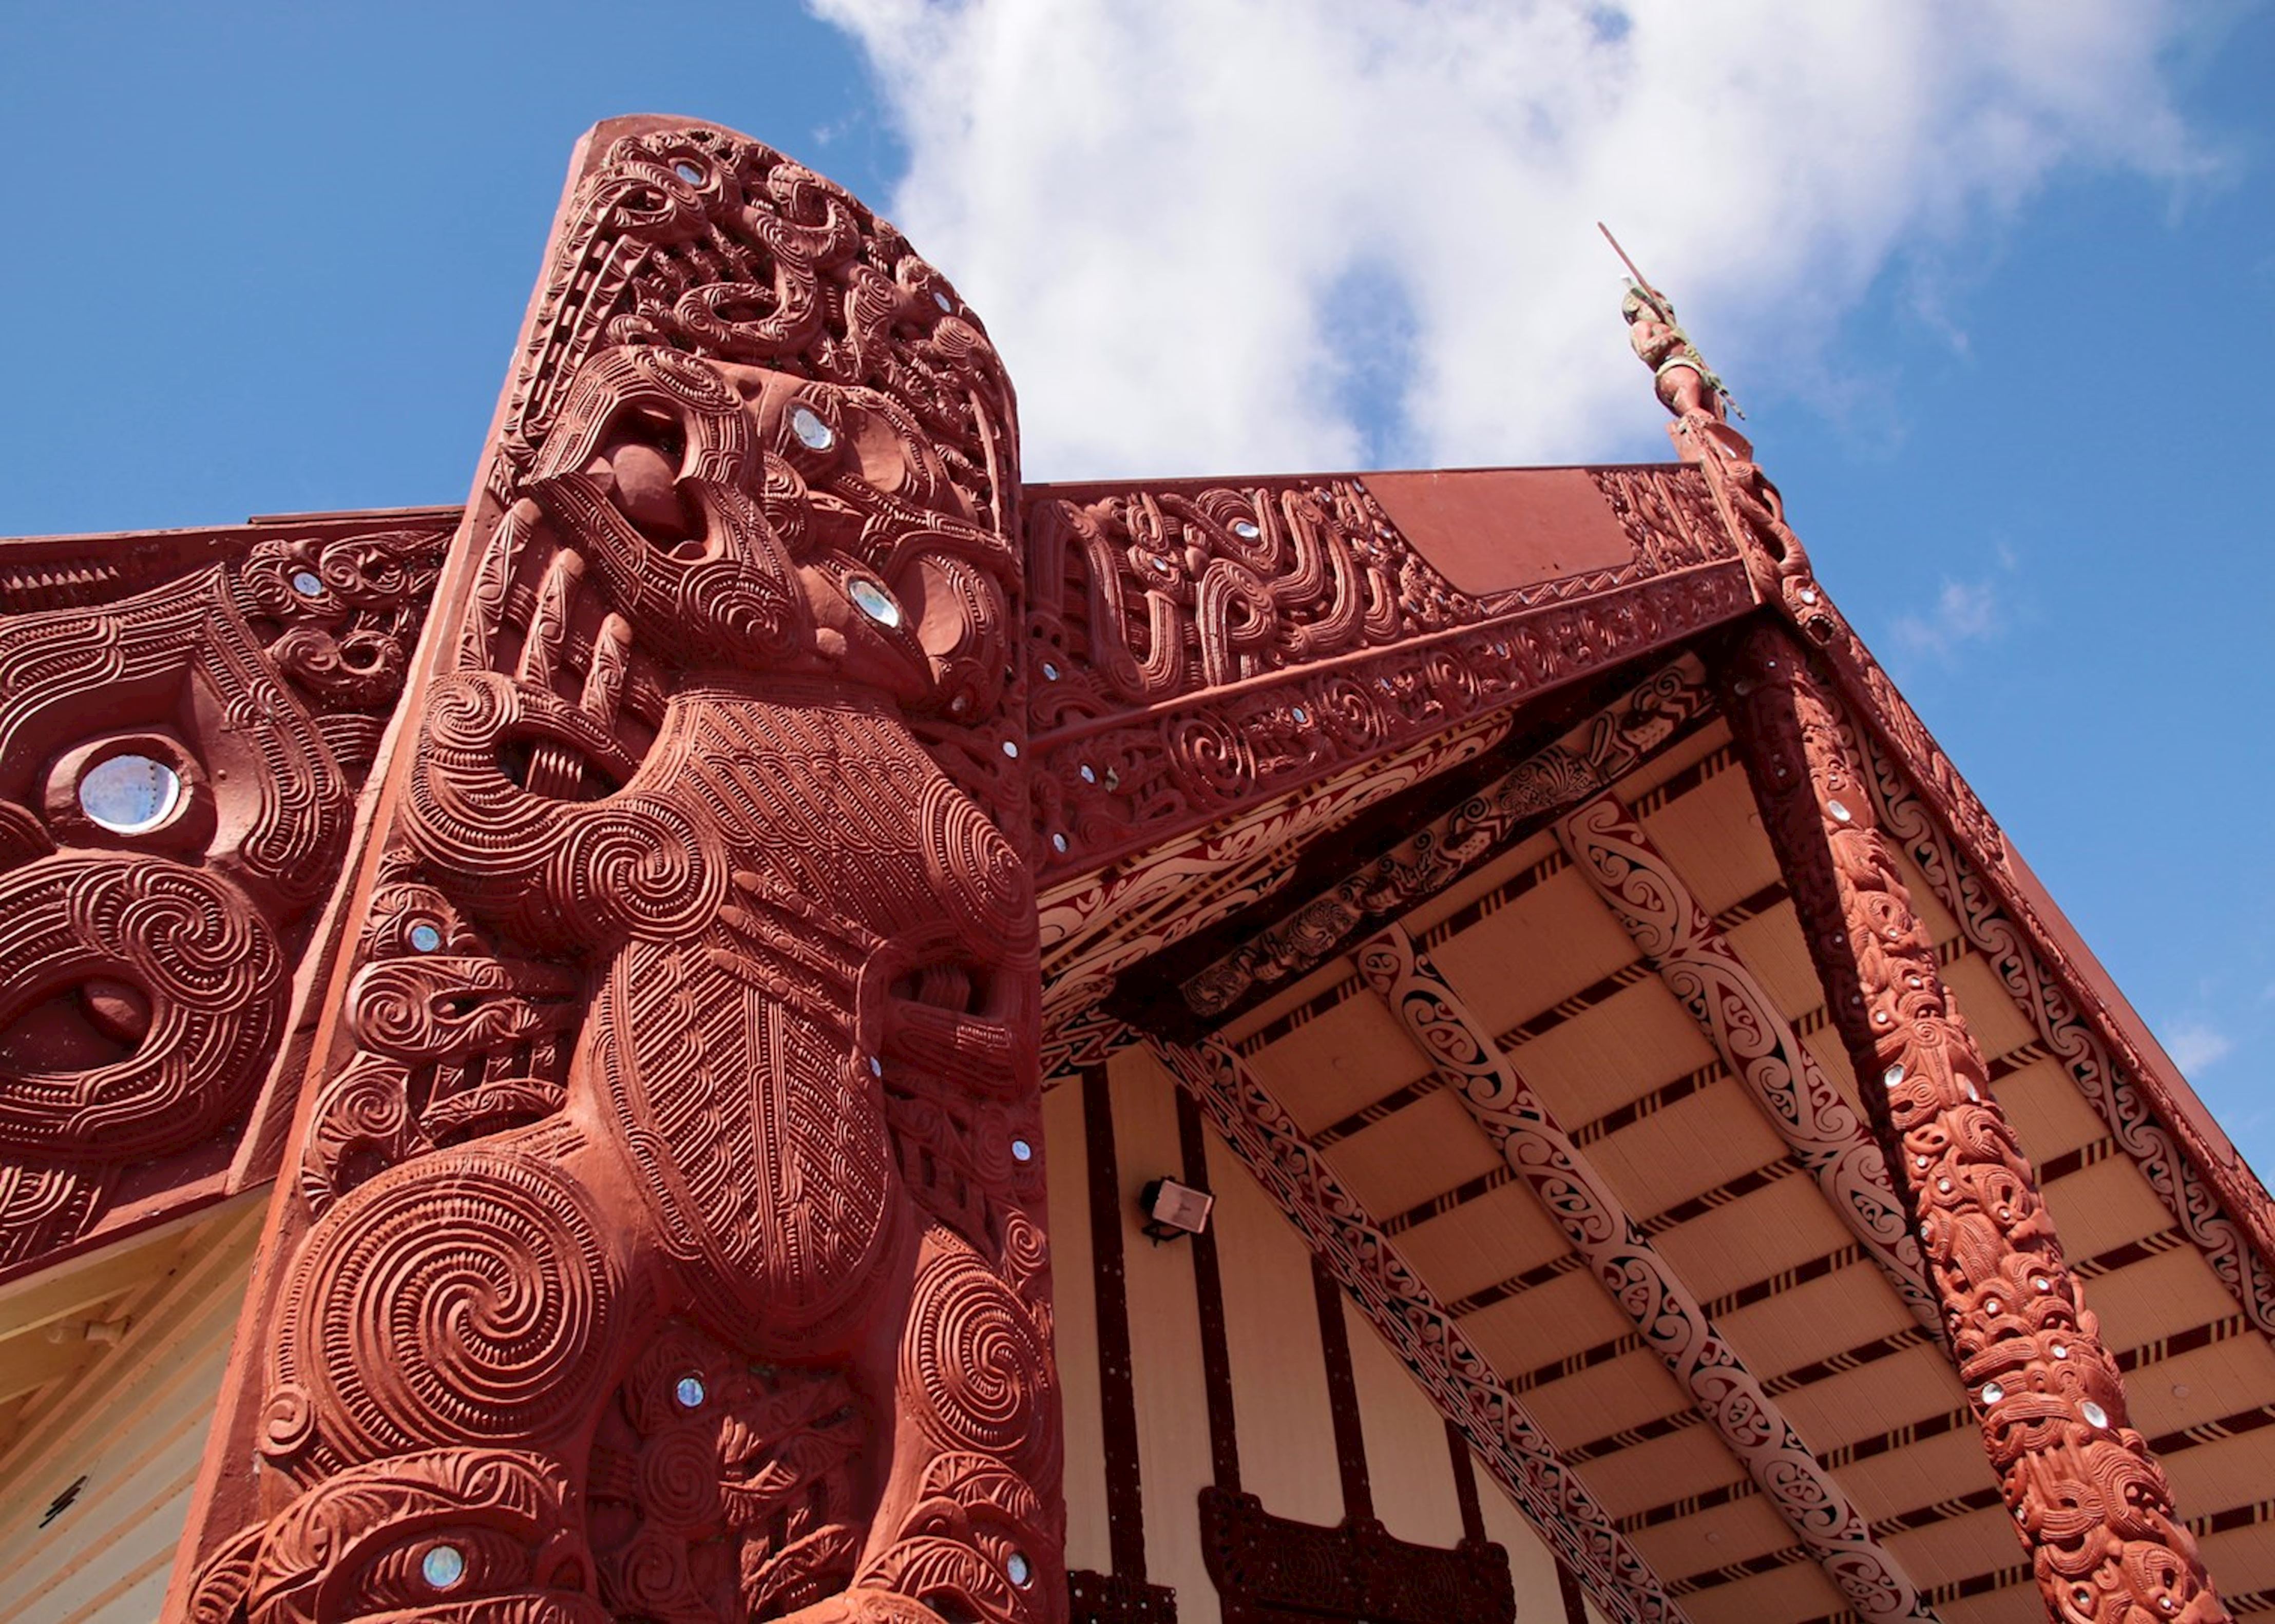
point(1466, 1389)
point(1827, 1135)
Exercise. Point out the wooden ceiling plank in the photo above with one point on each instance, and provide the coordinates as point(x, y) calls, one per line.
point(1687, 948)
point(1466, 1386)
point(1526, 880)
point(1669, 1319)
point(2050, 1392)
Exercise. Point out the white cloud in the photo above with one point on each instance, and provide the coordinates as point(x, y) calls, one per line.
point(1965, 612)
point(2196, 1044)
point(1245, 234)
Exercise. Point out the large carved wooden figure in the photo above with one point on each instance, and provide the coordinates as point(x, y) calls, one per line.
point(664, 1238)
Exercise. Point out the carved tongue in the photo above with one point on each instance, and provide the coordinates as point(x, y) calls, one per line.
point(647, 490)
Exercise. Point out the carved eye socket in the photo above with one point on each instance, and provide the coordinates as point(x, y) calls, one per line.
point(131, 794)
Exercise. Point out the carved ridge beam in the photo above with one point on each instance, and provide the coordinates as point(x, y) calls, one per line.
point(1683, 943)
point(2051, 1398)
point(1669, 1317)
point(1459, 1379)
point(1593, 753)
point(1096, 926)
point(1553, 863)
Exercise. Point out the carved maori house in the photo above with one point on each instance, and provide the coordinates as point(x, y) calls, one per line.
point(767, 1023)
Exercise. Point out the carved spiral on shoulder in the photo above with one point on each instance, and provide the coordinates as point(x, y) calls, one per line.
point(973, 1368)
point(466, 1297)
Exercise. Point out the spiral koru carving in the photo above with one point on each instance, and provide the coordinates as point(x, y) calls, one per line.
point(974, 1368)
point(461, 1308)
point(693, 1012)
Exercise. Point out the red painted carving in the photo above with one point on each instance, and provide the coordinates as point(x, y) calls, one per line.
point(1667, 1315)
point(1612, 851)
point(1585, 759)
point(2092, 1504)
point(1196, 655)
point(1270, 1570)
point(1383, 1287)
point(664, 1240)
point(181, 737)
point(2043, 996)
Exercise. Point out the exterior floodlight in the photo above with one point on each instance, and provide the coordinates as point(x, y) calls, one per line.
point(1173, 1209)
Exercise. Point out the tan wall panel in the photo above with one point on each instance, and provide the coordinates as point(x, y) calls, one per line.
point(1532, 1566)
point(1074, 1323)
point(1165, 1343)
point(1409, 1467)
point(134, 1426)
point(1279, 1371)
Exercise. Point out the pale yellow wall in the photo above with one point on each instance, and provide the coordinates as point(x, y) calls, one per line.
point(1165, 1342)
point(1279, 1386)
point(134, 1426)
point(1074, 1323)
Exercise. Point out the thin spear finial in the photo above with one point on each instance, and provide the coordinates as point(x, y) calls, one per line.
point(1687, 385)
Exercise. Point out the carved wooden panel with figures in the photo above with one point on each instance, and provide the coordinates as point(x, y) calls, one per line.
point(662, 1238)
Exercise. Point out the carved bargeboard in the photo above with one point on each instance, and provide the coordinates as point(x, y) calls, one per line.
point(184, 724)
point(662, 1238)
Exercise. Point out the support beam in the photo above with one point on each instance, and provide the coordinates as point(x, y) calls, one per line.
point(1466, 1388)
point(2096, 1513)
point(1666, 1312)
point(1681, 942)
point(1588, 757)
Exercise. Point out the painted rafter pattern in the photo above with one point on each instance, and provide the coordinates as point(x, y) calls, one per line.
point(2092, 1503)
point(1579, 1201)
point(1779, 567)
point(1587, 757)
point(1463, 1383)
point(1680, 941)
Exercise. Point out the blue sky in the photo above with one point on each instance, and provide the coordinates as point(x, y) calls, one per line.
point(1992, 282)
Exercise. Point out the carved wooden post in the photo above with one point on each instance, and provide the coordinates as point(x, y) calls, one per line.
point(660, 1236)
point(2093, 1506)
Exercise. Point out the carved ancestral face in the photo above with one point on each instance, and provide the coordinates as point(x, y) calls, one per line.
point(750, 517)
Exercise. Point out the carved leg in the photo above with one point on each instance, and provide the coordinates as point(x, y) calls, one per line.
point(968, 1523)
point(2093, 1506)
